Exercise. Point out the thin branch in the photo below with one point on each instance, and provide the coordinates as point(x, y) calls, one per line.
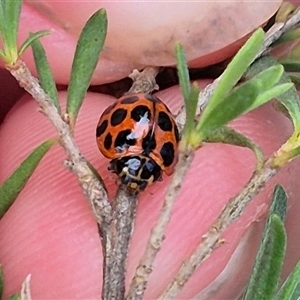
point(144, 269)
point(277, 30)
point(25, 290)
point(125, 204)
point(272, 35)
point(143, 82)
point(212, 238)
point(92, 187)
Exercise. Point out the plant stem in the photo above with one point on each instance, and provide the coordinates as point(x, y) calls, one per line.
point(212, 238)
point(124, 215)
point(144, 269)
point(93, 189)
point(91, 186)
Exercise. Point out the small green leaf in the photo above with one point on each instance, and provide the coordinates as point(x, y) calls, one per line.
point(279, 202)
point(87, 53)
point(188, 136)
point(44, 72)
point(269, 260)
point(14, 297)
point(10, 15)
point(288, 36)
point(12, 11)
point(1, 282)
point(229, 136)
point(265, 276)
point(290, 290)
point(183, 73)
point(234, 72)
point(289, 99)
point(2, 55)
point(3, 24)
point(13, 185)
point(32, 37)
point(296, 80)
point(272, 93)
point(291, 65)
point(244, 98)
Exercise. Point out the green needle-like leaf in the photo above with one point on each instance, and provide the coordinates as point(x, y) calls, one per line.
point(188, 135)
point(290, 290)
point(269, 260)
point(14, 297)
point(229, 136)
point(234, 72)
point(10, 15)
point(3, 24)
point(32, 37)
point(279, 203)
point(289, 99)
point(85, 60)
point(13, 185)
point(244, 98)
point(12, 11)
point(265, 276)
point(291, 65)
point(2, 55)
point(1, 282)
point(296, 80)
point(183, 73)
point(288, 36)
point(44, 72)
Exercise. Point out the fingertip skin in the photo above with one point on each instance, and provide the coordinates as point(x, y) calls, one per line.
point(50, 232)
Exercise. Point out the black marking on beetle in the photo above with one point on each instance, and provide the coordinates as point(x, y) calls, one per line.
point(101, 128)
point(149, 143)
point(129, 100)
point(150, 168)
point(167, 153)
point(164, 121)
point(176, 132)
point(139, 111)
point(108, 141)
point(121, 139)
point(118, 116)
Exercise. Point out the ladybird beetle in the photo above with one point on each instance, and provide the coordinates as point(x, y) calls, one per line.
point(139, 133)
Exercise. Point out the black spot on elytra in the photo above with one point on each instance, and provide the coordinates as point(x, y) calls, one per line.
point(101, 128)
point(149, 143)
point(118, 116)
point(176, 132)
point(129, 100)
point(164, 121)
point(167, 153)
point(122, 140)
point(108, 141)
point(139, 111)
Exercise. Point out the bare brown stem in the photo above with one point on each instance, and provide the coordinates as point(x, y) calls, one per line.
point(125, 205)
point(25, 290)
point(212, 238)
point(144, 269)
point(92, 188)
point(277, 30)
point(143, 82)
point(272, 35)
